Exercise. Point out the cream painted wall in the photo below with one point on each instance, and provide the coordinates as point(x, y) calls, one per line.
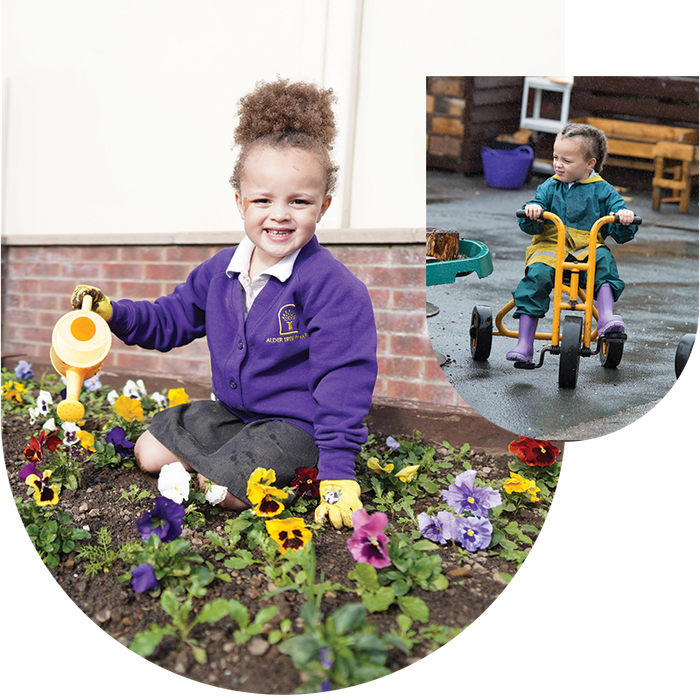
point(118, 115)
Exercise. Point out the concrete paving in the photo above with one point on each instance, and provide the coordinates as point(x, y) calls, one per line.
point(659, 306)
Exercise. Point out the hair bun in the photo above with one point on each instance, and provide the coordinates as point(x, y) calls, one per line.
point(281, 106)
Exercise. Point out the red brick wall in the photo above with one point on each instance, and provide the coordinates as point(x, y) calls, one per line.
point(38, 281)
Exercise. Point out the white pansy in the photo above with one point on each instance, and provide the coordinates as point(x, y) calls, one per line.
point(113, 396)
point(70, 433)
point(49, 426)
point(43, 401)
point(134, 390)
point(215, 493)
point(159, 400)
point(174, 482)
point(34, 413)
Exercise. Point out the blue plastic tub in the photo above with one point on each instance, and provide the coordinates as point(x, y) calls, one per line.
point(506, 169)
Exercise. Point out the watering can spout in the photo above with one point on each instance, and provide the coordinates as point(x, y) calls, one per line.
point(80, 343)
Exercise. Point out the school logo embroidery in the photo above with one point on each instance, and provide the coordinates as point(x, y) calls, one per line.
point(287, 317)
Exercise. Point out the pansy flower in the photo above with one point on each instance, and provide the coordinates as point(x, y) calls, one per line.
point(177, 397)
point(214, 493)
point(288, 533)
point(143, 578)
point(13, 391)
point(519, 484)
point(407, 473)
point(165, 520)
point(93, 383)
point(134, 390)
point(536, 453)
point(159, 400)
point(174, 482)
point(305, 481)
point(392, 444)
point(437, 528)
point(44, 493)
point(27, 469)
point(368, 543)
point(34, 451)
point(23, 370)
point(117, 437)
point(374, 464)
point(129, 409)
point(266, 499)
point(87, 440)
point(473, 533)
point(463, 495)
point(70, 433)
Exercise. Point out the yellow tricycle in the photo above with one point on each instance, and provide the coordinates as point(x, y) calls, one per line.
point(572, 337)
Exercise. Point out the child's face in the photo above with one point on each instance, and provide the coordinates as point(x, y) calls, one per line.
point(282, 198)
point(570, 164)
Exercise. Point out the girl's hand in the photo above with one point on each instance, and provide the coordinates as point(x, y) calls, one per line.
point(626, 216)
point(533, 211)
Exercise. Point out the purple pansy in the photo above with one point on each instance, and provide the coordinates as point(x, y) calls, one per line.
point(437, 528)
point(24, 370)
point(368, 542)
point(143, 578)
point(392, 444)
point(473, 533)
point(165, 520)
point(117, 437)
point(463, 495)
point(28, 469)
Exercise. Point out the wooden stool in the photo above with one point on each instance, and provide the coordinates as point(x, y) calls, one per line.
point(683, 167)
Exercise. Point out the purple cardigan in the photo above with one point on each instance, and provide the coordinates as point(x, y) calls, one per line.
point(307, 352)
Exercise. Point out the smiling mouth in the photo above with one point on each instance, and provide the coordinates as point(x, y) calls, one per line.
point(278, 233)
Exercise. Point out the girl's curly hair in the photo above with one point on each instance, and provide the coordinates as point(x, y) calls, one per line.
point(594, 142)
point(286, 115)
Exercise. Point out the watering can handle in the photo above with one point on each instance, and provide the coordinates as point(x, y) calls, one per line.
point(86, 303)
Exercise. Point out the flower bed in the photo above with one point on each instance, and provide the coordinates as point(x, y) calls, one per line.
point(215, 596)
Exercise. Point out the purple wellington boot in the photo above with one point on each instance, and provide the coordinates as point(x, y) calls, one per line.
point(524, 350)
point(607, 321)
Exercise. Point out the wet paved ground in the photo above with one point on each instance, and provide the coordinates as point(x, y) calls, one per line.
point(659, 306)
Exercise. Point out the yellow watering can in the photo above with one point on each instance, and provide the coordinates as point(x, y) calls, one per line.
point(80, 343)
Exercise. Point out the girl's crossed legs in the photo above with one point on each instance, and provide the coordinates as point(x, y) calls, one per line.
point(151, 456)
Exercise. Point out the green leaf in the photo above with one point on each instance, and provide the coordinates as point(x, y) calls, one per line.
point(170, 603)
point(239, 613)
point(366, 575)
point(379, 600)
point(214, 610)
point(266, 614)
point(145, 643)
point(347, 617)
point(415, 608)
point(424, 546)
point(200, 655)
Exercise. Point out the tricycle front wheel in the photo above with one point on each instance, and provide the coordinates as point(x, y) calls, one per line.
point(570, 354)
point(611, 351)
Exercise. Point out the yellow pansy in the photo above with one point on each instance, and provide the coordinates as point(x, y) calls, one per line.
point(87, 440)
point(407, 473)
point(289, 533)
point(519, 484)
point(375, 466)
point(13, 391)
point(177, 396)
point(129, 409)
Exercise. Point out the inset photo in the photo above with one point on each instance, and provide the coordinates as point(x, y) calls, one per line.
point(562, 245)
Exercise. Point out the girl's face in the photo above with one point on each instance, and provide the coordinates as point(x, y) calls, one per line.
point(281, 199)
point(570, 164)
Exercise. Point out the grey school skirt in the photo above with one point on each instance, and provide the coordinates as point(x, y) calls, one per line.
point(224, 449)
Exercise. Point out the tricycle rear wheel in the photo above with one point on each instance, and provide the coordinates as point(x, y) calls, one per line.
point(481, 333)
point(611, 351)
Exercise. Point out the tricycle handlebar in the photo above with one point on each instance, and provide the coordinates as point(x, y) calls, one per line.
point(636, 221)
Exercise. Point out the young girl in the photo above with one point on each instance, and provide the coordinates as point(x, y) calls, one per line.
point(579, 196)
point(290, 329)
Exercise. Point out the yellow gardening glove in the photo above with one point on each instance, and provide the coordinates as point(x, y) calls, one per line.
point(101, 304)
point(339, 499)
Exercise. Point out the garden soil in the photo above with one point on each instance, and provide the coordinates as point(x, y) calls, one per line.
point(256, 667)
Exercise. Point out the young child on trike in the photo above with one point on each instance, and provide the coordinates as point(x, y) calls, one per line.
point(579, 196)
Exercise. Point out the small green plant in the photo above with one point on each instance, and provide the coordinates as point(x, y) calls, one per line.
point(181, 626)
point(340, 651)
point(133, 494)
point(100, 556)
point(412, 566)
point(51, 531)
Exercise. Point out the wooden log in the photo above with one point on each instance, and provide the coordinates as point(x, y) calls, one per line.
point(441, 244)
